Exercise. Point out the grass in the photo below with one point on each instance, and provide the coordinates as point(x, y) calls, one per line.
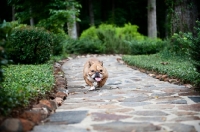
point(23, 83)
point(174, 67)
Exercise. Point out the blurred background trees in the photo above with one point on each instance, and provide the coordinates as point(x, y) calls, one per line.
point(172, 16)
point(112, 26)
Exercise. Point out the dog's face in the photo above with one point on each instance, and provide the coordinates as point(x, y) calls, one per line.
point(96, 71)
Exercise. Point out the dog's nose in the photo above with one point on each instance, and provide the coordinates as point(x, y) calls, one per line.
point(97, 74)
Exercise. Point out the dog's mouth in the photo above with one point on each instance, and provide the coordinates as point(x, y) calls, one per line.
point(98, 79)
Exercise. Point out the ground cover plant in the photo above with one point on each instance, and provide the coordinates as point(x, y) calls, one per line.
point(174, 67)
point(24, 83)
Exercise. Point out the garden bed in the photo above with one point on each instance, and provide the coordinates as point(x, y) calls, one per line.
point(181, 70)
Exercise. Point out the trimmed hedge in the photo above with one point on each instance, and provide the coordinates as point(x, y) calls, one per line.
point(30, 45)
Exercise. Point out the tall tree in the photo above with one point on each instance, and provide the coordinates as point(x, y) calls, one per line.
point(13, 13)
point(184, 15)
point(72, 29)
point(50, 14)
point(152, 24)
point(91, 12)
point(31, 18)
point(113, 11)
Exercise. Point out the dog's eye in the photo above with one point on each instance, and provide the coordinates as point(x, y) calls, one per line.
point(92, 70)
point(101, 70)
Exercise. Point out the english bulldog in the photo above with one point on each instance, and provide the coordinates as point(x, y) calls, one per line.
point(94, 71)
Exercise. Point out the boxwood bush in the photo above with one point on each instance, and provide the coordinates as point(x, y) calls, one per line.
point(30, 45)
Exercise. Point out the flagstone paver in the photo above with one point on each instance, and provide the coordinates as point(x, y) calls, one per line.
point(130, 101)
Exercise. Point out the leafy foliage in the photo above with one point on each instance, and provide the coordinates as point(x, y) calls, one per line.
point(179, 43)
point(58, 43)
point(195, 48)
point(3, 62)
point(113, 44)
point(123, 40)
point(30, 45)
point(195, 51)
point(129, 31)
point(55, 23)
point(24, 83)
point(51, 15)
point(84, 46)
point(89, 33)
point(146, 46)
point(6, 29)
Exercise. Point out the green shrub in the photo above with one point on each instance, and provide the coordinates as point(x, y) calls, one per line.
point(179, 43)
point(195, 48)
point(58, 43)
point(24, 83)
point(84, 46)
point(115, 39)
point(89, 33)
point(113, 44)
point(30, 45)
point(6, 29)
point(195, 51)
point(3, 62)
point(147, 46)
point(129, 32)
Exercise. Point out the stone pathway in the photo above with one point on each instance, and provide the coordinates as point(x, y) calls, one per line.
point(130, 101)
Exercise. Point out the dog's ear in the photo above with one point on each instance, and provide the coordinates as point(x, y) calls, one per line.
point(101, 62)
point(90, 63)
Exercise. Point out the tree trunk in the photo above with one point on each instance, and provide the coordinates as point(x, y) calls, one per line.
point(72, 29)
point(31, 21)
point(31, 18)
point(13, 13)
point(91, 12)
point(152, 25)
point(103, 10)
point(113, 11)
point(184, 16)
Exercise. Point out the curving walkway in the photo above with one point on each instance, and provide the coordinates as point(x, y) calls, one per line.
point(130, 101)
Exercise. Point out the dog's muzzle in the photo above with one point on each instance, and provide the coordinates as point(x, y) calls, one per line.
point(97, 77)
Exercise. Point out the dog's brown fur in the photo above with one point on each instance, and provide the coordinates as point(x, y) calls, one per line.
point(91, 67)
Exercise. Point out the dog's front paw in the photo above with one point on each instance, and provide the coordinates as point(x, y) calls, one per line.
point(92, 88)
